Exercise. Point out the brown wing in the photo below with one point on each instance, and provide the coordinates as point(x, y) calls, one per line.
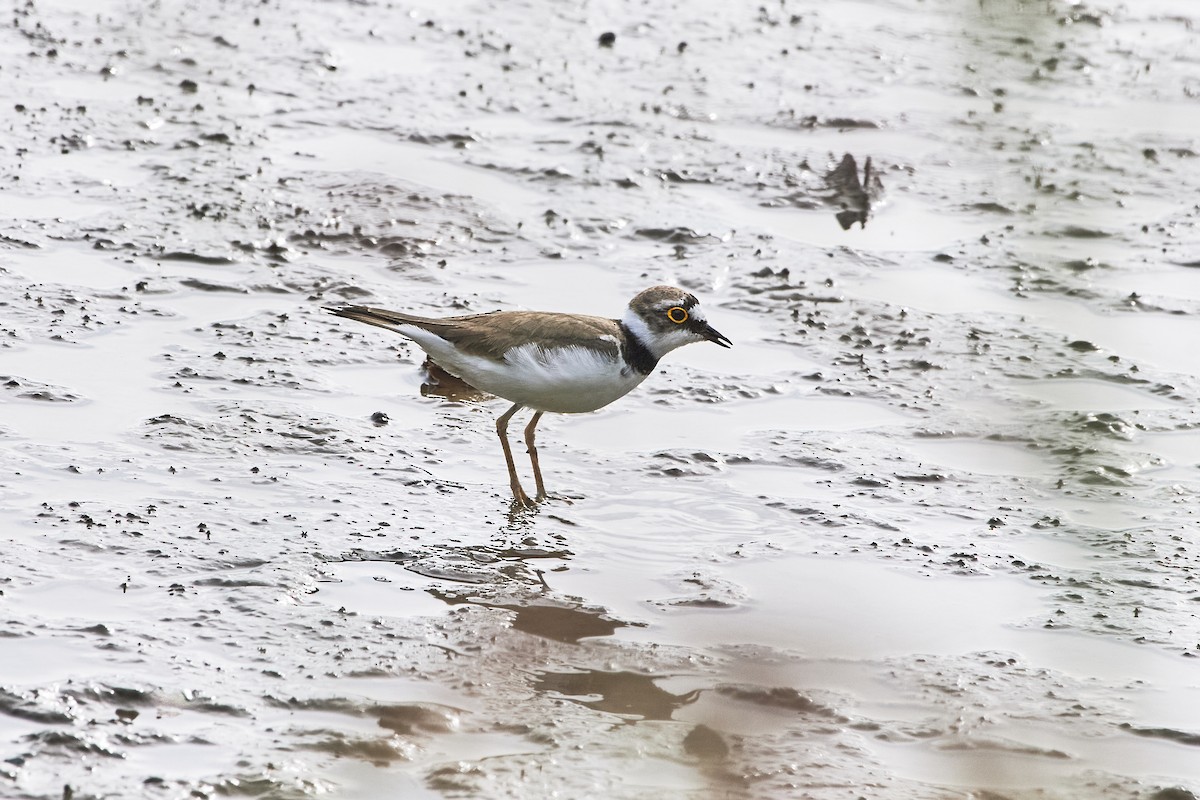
point(492, 335)
point(381, 317)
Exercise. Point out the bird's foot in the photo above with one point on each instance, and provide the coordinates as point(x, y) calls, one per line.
point(522, 502)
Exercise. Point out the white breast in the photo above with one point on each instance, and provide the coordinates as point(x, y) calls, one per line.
point(566, 380)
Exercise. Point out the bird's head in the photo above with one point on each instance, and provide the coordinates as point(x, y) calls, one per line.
point(665, 317)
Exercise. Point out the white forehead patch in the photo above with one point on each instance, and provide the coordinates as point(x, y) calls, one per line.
point(672, 302)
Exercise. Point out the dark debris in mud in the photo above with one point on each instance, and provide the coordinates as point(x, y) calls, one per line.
point(855, 196)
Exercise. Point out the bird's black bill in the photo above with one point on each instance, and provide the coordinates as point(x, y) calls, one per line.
point(711, 333)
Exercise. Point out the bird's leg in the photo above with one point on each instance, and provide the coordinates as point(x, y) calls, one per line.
point(533, 458)
point(519, 496)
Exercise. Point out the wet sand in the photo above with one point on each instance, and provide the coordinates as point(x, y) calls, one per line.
point(927, 531)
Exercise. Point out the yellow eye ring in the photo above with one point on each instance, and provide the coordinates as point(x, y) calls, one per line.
point(677, 315)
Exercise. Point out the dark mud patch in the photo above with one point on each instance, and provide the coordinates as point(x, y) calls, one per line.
point(782, 698)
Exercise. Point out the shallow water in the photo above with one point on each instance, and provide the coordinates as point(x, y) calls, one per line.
point(927, 531)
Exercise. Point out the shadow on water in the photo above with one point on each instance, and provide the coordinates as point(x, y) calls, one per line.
point(621, 693)
point(562, 623)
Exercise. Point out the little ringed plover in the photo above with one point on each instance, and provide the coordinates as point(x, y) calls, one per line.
point(564, 363)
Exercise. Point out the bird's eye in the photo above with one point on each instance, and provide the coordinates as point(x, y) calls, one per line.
point(677, 315)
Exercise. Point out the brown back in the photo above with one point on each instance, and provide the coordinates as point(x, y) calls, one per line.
point(492, 335)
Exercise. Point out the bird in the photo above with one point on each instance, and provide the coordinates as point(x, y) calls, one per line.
point(551, 362)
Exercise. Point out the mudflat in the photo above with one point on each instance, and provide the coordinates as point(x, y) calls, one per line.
point(928, 531)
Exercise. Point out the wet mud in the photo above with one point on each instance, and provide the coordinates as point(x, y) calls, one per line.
point(928, 531)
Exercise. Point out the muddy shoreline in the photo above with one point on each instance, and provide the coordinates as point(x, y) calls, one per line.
point(928, 531)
